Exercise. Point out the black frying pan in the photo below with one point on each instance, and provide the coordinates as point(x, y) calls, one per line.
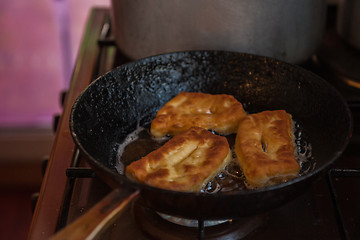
point(130, 95)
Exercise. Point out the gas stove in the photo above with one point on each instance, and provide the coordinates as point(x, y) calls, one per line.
point(329, 209)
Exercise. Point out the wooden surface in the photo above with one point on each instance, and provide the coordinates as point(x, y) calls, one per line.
point(50, 202)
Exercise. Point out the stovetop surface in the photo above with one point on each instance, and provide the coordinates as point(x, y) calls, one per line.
point(328, 209)
point(312, 215)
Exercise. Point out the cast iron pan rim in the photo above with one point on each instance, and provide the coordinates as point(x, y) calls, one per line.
point(132, 184)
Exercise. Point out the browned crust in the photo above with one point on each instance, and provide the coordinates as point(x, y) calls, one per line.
point(184, 163)
point(272, 130)
point(220, 113)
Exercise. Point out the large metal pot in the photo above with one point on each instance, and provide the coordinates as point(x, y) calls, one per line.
point(289, 30)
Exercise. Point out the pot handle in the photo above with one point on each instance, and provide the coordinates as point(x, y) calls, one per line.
point(98, 217)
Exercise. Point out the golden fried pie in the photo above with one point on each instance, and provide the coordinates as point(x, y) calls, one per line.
point(265, 148)
point(185, 163)
point(220, 113)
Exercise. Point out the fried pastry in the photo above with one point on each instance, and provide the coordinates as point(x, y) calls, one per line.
point(265, 148)
point(220, 113)
point(184, 163)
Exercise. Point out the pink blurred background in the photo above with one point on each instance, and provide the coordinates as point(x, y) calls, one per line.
point(38, 46)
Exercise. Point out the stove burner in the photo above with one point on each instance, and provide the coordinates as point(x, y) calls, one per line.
point(190, 222)
point(161, 226)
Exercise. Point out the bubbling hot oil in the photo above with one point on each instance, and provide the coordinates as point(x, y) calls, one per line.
point(231, 179)
point(303, 151)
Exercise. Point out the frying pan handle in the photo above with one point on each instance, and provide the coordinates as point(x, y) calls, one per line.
point(95, 219)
